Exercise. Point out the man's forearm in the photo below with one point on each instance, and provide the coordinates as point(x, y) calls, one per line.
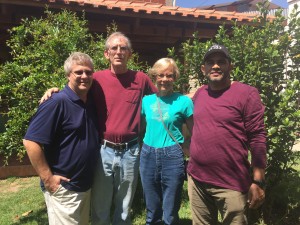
point(258, 173)
point(37, 159)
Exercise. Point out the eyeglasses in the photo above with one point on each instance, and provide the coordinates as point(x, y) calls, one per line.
point(168, 76)
point(79, 73)
point(114, 49)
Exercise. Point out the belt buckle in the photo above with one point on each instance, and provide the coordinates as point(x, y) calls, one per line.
point(119, 146)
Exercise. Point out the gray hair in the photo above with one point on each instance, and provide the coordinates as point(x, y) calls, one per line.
point(117, 35)
point(77, 58)
point(162, 64)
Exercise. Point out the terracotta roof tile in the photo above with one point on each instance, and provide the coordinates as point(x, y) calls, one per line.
point(157, 9)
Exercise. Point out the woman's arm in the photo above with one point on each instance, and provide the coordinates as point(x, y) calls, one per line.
point(142, 130)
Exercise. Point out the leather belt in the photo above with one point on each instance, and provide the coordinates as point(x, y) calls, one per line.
point(120, 146)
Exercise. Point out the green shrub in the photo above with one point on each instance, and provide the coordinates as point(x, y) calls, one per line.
point(39, 48)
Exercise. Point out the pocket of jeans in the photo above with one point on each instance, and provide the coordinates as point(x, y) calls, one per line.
point(174, 152)
point(134, 151)
point(145, 152)
point(106, 160)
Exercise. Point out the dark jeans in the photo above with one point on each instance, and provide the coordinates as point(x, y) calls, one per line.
point(162, 175)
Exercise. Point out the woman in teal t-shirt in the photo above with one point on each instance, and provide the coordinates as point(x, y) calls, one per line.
point(162, 158)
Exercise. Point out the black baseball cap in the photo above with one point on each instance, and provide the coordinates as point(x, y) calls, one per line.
point(216, 48)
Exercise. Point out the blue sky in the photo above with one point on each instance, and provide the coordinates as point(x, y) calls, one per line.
point(195, 3)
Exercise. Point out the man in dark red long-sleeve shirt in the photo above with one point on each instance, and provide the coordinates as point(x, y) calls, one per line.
point(228, 120)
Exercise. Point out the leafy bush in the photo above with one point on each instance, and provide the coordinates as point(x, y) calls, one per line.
point(266, 56)
point(39, 48)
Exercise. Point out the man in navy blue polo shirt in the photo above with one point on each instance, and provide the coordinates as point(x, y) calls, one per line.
point(62, 145)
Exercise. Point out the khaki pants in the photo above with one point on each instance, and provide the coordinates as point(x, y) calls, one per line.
point(68, 207)
point(206, 200)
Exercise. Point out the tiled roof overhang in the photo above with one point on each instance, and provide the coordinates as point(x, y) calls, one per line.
point(142, 9)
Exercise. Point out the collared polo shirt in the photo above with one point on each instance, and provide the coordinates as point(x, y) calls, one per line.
point(67, 128)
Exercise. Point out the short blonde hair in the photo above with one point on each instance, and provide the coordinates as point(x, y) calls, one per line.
point(162, 64)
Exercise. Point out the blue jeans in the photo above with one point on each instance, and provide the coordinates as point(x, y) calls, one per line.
point(162, 175)
point(116, 177)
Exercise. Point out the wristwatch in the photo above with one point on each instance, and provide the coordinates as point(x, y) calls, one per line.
point(260, 183)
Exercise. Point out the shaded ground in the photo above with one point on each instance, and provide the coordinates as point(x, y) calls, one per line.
point(10, 185)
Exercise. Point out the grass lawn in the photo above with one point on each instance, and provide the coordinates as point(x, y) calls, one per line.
point(22, 202)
